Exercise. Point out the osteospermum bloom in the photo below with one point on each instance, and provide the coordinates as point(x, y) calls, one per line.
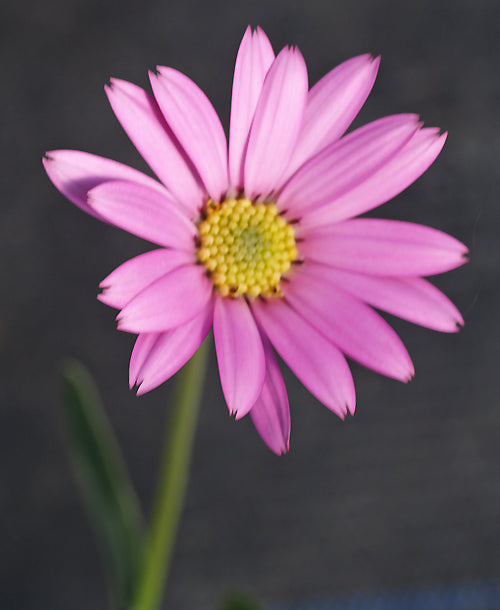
point(260, 240)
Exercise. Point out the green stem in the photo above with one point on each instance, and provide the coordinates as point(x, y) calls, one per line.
point(172, 484)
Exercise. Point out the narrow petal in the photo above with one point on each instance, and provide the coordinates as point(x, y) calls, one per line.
point(318, 364)
point(142, 348)
point(172, 300)
point(408, 164)
point(130, 278)
point(240, 354)
point(384, 247)
point(352, 326)
point(193, 120)
point(158, 356)
point(344, 164)
point(332, 105)
point(74, 173)
point(255, 56)
point(271, 413)
point(413, 299)
point(276, 124)
point(144, 212)
point(143, 122)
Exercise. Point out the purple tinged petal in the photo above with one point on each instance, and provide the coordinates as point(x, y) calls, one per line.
point(276, 124)
point(352, 326)
point(142, 348)
point(255, 56)
point(240, 354)
point(384, 247)
point(193, 120)
point(343, 165)
point(145, 125)
point(271, 413)
point(74, 173)
point(413, 299)
point(408, 164)
point(144, 212)
point(172, 300)
point(332, 105)
point(133, 276)
point(158, 356)
point(318, 364)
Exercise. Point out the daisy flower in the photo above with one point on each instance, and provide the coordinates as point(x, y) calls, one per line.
point(261, 239)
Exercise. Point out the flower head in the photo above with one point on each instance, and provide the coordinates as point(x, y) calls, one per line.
point(260, 240)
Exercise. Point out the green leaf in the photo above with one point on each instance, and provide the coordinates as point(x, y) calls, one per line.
point(241, 600)
point(106, 488)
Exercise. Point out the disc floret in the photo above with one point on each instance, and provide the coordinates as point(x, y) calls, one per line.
point(246, 247)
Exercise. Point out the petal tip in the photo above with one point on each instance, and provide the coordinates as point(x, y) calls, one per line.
point(154, 74)
point(120, 320)
point(141, 389)
point(164, 71)
point(111, 88)
point(46, 161)
point(405, 373)
point(280, 451)
point(285, 448)
point(410, 375)
point(456, 322)
point(237, 414)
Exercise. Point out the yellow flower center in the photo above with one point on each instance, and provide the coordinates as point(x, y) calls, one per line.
point(246, 247)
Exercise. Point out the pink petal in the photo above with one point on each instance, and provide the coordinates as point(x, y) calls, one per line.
point(158, 356)
point(410, 162)
point(271, 413)
point(141, 118)
point(170, 301)
point(413, 299)
point(144, 212)
point(332, 105)
point(130, 278)
point(318, 364)
point(351, 325)
point(74, 173)
point(193, 120)
point(344, 164)
point(276, 124)
point(142, 348)
point(255, 56)
point(384, 247)
point(242, 363)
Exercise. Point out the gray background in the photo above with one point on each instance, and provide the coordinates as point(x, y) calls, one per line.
point(404, 494)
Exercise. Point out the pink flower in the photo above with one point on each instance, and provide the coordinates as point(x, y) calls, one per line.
point(260, 240)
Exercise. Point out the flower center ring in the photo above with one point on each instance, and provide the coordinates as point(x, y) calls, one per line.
point(246, 247)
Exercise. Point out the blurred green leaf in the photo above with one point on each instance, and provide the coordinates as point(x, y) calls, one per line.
point(241, 600)
point(106, 488)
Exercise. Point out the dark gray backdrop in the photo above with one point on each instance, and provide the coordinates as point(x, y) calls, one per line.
point(404, 494)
